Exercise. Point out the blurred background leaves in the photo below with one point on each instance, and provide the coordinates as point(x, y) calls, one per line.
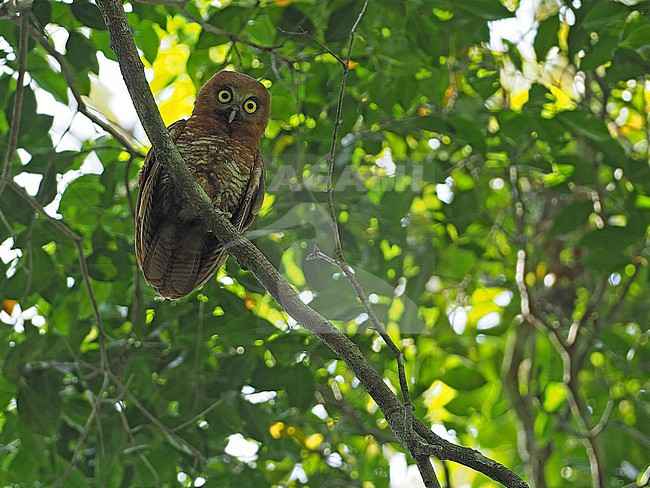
point(492, 189)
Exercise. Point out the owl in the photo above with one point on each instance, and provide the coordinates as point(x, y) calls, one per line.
point(220, 144)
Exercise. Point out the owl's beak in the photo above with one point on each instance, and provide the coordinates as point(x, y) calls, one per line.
point(233, 114)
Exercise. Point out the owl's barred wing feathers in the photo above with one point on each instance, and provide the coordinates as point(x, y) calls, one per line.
point(154, 187)
point(168, 259)
point(242, 218)
point(178, 256)
point(251, 203)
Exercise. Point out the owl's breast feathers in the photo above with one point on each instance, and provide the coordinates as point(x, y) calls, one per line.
point(174, 249)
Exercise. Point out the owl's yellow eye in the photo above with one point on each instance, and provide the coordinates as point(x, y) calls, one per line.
point(224, 96)
point(250, 106)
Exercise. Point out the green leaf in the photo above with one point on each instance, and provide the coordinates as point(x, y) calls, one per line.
point(101, 267)
point(466, 402)
point(83, 193)
point(295, 20)
point(33, 135)
point(39, 403)
point(46, 78)
point(41, 270)
point(615, 238)
point(81, 54)
point(156, 15)
point(43, 11)
point(147, 40)
point(574, 216)
point(515, 125)
point(463, 378)
point(33, 443)
point(23, 467)
point(554, 396)
point(341, 20)
point(585, 125)
point(208, 39)
point(604, 14)
point(639, 40)
point(602, 53)
point(484, 9)
point(198, 66)
point(14, 207)
point(270, 379)
point(546, 36)
point(337, 304)
point(485, 85)
point(88, 14)
point(229, 19)
point(300, 387)
point(606, 247)
point(47, 190)
point(7, 391)
point(456, 262)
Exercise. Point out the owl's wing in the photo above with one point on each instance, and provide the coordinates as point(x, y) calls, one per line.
point(243, 216)
point(153, 182)
point(253, 197)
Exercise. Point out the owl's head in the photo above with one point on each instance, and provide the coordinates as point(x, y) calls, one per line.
point(237, 99)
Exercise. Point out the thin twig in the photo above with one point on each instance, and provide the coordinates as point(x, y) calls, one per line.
point(42, 39)
point(376, 323)
point(137, 287)
point(143, 458)
point(335, 132)
point(102, 452)
point(604, 419)
point(237, 39)
point(7, 181)
point(306, 34)
point(422, 460)
point(25, 31)
point(198, 342)
point(531, 452)
point(602, 322)
point(231, 37)
point(12, 144)
point(197, 417)
point(84, 433)
point(577, 405)
point(340, 261)
point(78, 240)
point(7, 224)
point(170, 432)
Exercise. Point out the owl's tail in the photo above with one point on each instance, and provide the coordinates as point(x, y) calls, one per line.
point(174, 259)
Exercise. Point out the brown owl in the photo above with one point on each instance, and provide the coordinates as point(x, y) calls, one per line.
point(221, 148)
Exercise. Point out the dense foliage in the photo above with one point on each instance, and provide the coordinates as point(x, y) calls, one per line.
point(492, 186)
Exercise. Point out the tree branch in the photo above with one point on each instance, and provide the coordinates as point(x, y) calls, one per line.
point(17, 109)
point(95, 406)
point(250, 257)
